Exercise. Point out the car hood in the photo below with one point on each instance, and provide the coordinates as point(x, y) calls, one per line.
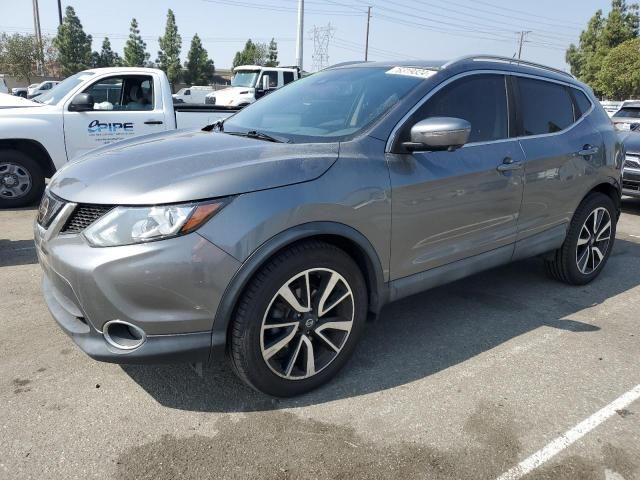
point(12, 101)
point(631, 141)
point(182, 166)
point(229, 94)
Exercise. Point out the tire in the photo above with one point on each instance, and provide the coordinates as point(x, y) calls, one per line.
point(259, 356)
point(577, 262)
point(16, 166)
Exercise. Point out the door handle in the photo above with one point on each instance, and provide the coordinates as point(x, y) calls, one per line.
point(508, 165)
point(588, 150)
point(153, 122)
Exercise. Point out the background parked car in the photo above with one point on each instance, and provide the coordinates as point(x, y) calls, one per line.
point(41, 88)
point(23, 91)
point(194, 94)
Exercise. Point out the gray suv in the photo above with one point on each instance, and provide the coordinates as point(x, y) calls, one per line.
point(274, 236)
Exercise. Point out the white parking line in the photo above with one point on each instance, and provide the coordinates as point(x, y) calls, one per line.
point(563, 441)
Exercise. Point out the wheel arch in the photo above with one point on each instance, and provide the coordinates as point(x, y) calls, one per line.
point(611, 188)
point(342, 236)
point(34, 150)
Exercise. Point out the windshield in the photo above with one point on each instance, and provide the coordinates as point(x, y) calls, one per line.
point(57, 93)
point(327, 106)
point(244, 78)
point(628, 112)
point(181, 91)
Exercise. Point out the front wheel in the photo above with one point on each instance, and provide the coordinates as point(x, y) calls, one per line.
point(588, 244)
point(21, 180)
point(298, 320)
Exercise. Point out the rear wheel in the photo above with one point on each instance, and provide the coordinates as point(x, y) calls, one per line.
point(588, 244)
point(21, 179)
point(299, 320)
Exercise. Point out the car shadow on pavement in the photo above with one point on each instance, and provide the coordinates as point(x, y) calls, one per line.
point(17, 252)
point(631, 205)
point(418, 336)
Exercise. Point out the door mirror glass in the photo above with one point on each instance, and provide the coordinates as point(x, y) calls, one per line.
point(83, 102)
point(438, 133)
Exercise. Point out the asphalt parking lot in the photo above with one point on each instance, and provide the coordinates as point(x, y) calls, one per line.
point(463, 382)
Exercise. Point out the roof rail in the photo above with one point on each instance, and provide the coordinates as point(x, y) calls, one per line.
point(497, 58)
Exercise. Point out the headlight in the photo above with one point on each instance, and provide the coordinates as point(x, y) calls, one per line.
point(129, 225)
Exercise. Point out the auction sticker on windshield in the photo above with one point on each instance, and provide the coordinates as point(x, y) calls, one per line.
point(412, 72)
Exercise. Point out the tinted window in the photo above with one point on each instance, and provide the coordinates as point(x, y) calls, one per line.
point(287, 77)
point(545, 107)
point(582, 102)
point(479, 99)
point(628, 112)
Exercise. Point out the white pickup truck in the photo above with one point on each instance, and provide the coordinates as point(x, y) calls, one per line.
point(85, 111)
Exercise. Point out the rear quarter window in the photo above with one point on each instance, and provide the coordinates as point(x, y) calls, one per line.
point(545, 107)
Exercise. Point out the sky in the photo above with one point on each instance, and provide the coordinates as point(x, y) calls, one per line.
point(399, 29)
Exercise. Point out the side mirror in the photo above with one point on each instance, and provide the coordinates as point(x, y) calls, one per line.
point(438, 133)
point(83, 102)
point(265, 82)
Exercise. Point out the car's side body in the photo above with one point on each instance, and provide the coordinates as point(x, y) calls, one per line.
point(410, 220)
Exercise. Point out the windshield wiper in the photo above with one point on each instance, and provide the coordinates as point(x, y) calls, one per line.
point(219, 125)
point(261, 136)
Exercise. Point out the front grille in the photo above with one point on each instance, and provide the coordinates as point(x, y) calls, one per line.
point(83, 216)
point(632, 162)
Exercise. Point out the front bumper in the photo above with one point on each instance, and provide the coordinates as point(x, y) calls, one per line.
point(170, 289)
point(631, 182)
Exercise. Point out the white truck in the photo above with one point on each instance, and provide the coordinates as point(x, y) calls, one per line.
point(85, 111)
point(195, 94)
point(250, 82)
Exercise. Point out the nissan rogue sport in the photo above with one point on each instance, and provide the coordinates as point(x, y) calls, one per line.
point(272, 237)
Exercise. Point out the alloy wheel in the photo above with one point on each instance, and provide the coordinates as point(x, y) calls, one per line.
point(593, 241)
point(307, 323)
point(15, 181)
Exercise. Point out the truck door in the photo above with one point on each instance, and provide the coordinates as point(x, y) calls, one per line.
point(125, 106)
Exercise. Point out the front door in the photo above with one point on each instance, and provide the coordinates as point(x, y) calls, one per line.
point(125, 106)
point(447, 206)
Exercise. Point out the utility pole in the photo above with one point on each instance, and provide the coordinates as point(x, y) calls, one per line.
point(523, 37)
point(60, 11)
point(38, 34)
point(366, 44)
point(300, 39)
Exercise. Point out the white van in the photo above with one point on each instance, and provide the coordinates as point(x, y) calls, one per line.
point(194, 94)
point(251, 82)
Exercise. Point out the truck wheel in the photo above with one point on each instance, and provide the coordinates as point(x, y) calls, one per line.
point(588, 244)
point(21, 180)
point(299, 320)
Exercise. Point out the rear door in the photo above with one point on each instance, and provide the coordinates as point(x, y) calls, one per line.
point(448, 206)
point(562, 149)
point(125, 106)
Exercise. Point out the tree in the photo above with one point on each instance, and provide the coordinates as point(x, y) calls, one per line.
point(107, 57)
point(135, 50)
point(73, 44)
point(19, 55)
point(596, 41)
point(170, 46)
point(199, 68)
point(272, 53)
point(252, 54)
point(620, 74)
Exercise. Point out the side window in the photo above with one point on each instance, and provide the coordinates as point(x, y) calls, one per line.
point(187, 92)
point(106, 93)
point(479, 99)
point(288, 77)
point(273, 79)
point(545, 107)
point(583, 104)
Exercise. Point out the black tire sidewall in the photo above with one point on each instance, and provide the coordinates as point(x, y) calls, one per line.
point(255, 369)
point(37, 179)
point(592, 202)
